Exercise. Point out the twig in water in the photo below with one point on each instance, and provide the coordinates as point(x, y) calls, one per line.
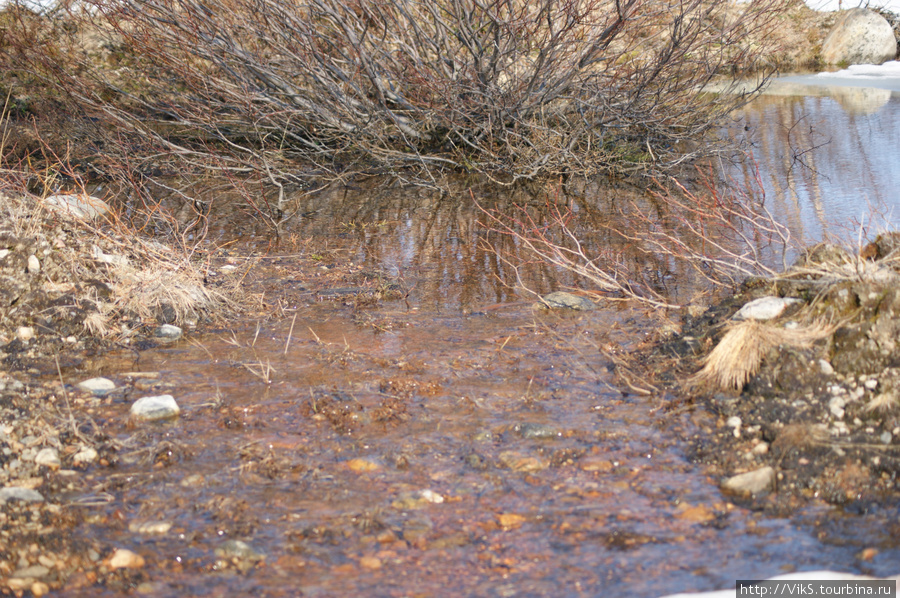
point(290, 332)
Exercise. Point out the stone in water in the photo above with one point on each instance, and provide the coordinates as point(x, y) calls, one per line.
point(155, 408)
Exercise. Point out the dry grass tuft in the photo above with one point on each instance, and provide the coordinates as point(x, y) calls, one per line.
point(145, 279)
point(883, 403)
point(740, 353)
point(159, 283)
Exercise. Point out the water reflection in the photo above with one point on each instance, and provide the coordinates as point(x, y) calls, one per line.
point(440, 241)
point(825, 156)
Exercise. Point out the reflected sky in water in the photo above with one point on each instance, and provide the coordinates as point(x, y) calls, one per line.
point(826, 152)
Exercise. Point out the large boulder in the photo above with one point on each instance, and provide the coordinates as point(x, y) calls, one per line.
point(860, 36)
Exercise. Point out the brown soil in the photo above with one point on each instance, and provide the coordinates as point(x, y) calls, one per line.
point(825, 416)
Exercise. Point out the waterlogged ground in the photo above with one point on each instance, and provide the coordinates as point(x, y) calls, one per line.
point(393, 418)
point(450, 454)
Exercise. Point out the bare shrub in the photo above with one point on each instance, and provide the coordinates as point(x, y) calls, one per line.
point(722, 234)
point(509, 88)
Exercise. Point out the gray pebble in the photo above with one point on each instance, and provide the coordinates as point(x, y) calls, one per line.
point(155, 408)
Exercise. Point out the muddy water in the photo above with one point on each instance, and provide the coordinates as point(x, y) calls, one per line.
point(395, 419)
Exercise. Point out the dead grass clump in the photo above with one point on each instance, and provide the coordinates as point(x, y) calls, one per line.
point(103, 271)
point(740, 353)
point(883, 403)
point(163, 285)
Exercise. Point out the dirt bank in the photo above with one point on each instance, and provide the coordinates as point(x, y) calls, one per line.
point(821, 408)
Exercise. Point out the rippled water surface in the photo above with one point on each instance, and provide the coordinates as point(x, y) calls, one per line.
point(395, 419)
point(826, 155)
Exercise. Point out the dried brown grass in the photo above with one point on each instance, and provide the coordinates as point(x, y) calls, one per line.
point(740, 353)
point(146, 278)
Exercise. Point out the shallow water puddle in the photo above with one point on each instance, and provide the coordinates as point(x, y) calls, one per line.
point(398, 421)
point(481, 454)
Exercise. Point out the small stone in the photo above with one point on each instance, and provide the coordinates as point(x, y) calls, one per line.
point(168, 332)
point(476, 461)
point(123, 558)
point(106, 258)
point(733, 422)
point(34, 264)
point(836, 406)
point(155, 408)
point(363, 465)
point(24, 333)
point(765, 308)
point(193, 481)
point(596, 464)
point(79, 205)
point(886, 437)
point(695, 513)
point(39, 589)
point(871, 383)
point(19, 584)
point(417, 500)
point(97, 386)
point(431, 496)
point(150, 527)
point(4, 253)
point(533, 430)
point(518, 462)
point(236, 549)
point(32, 572)
point(752, 482)
point(761, 449)
point(48, 457)
point(228, 268)
point(563, 300)
point(867, 554)
point(826, 368)
point(370, 562)
point(85, 456)
point(511, 520)
point(22, 494)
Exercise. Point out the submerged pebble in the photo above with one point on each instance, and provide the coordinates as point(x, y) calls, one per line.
point(563, 300)
point(150, 527)
point(123, 558)
point(155, 408)
point(98, 386)
point(169, 332)
point(362, 465)
point(238, 550)
point(532, 430)
point(519, 462)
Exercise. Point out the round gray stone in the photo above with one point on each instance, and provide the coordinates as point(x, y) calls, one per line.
point(155, 408)
point(97, 386)
point(860, 36)
point(563, 300)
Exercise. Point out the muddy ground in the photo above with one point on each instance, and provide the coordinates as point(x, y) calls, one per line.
point(825, 414)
